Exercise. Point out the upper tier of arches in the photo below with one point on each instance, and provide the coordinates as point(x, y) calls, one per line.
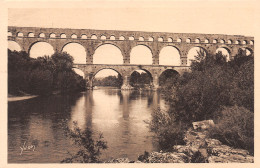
point(110, 35)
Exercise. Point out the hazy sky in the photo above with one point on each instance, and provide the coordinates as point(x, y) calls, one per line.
point(214, 18)
point(217, 20)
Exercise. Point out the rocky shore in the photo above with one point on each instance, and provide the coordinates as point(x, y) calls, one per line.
point(198, 149)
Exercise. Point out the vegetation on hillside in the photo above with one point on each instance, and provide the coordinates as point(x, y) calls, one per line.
point(214, 89)
point(43, 75)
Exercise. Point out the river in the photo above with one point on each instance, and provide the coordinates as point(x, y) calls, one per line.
point(35, 125)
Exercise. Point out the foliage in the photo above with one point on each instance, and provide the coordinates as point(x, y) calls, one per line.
point(89, 149)
point(139, 80)
point(235, 127)
point(168, 130)
point(42, 75)
point(211, 84)
point(213, 87)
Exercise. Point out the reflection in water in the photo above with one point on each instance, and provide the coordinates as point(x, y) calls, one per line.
point(119, 115)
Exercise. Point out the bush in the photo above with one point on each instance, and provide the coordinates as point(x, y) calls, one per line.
point(89, 149)
point(169, 131)
point(235, 127)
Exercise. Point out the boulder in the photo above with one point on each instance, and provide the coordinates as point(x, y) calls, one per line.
point(202, 125)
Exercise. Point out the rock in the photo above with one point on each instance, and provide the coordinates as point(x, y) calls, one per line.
point(188, 150)
point(119, 160)
point(213, 142)
point(231, 159)
point(167, 157)
point(202, 125)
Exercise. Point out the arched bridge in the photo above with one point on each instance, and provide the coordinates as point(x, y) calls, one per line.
point(90, 39)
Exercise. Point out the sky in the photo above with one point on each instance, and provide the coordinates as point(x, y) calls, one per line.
point(216, 18)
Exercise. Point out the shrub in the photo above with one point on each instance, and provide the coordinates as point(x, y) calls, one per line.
point(169, 131)
point(235, 127)
point(89, 149)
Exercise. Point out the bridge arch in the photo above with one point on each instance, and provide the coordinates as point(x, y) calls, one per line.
point(76, 50)
point(141, 54)
point(108, 53)
point(14, 46)
point(78, 71)
point(113, 69)
point(248, 50)
point(193, 52)
point(226, 51)
point(135, 75)
point(36, 49)
point(168, 74)
point(106, 68)
point(30, 34)
point(170, 55)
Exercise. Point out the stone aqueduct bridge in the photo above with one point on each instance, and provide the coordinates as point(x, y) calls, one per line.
point(90, 39)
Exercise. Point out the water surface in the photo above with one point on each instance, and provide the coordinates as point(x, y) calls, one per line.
point(119, 115)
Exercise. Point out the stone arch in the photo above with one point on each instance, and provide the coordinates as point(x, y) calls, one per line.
point(193, 51)
point(84, 36)
point(160, 39)
point(206, 41)
point(132, 80)
point(47, 46)
point(251, 42)
point(141, 38)
point(14, 46)
point(188, 40)
point(215, 41)
point(31, 34)
point(170, 40)
point(197, 40)
point(63, 35)
point(237, 42)
point(170, 55)
point(76, 54)
point(222, 41)
point(52, 35)
point(79, 72)
point(73, 36)
point(93, 37)
point(230, 41)
point(92, 77)
point(9, 34)
point(179, 40)
point(150, 39)
point(103, 37)
point(116, 50)
point(41, 35)
point(131, 38)
point(122, 38)
point(225, 52)
point(19, 34)
point(111, 68)
point(112, 37)
point(244, 42)
point(167, 74)
point(248, 50)
point(136, 50)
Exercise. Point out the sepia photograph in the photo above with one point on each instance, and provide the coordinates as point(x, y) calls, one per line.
point(154, 83)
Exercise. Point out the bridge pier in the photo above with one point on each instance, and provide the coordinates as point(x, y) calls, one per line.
point(126, 83)
point(156, 82)
point(89, 81)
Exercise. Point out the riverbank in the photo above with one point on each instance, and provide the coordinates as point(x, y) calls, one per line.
point(198, 149)
point(12, 98)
